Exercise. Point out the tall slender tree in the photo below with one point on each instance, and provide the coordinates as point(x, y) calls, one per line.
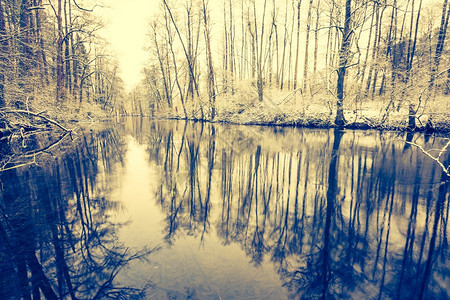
point(343, 60)
point(308, 31)
point(299, 4)
point(440, 42)
point(60, 87)
point(3, 54)
point(211, 83)
point(186, 53)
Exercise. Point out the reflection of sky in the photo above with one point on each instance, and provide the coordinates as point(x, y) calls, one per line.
point(208, 268)
point(135, 194)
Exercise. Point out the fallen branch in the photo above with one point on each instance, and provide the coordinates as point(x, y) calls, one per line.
point(18, 166)
point(38, 115)
point(290, 95)
point(436, 159)
point(47, 148)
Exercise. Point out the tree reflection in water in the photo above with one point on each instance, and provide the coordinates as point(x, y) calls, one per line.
point(56, 235)
point(340, 214)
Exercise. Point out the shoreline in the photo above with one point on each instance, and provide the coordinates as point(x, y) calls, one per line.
point(313, 112)
point(442, 128)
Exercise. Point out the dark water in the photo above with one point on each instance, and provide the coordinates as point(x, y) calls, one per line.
point(168, 210)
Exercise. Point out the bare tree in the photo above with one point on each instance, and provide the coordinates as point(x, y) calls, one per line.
point(60, 88)
point(299, 3)
point(3, 52)
point(441, 40)
point(308, 30)
point(165, 73)
point(343, 60)
point(211, 84)
point(186, 53)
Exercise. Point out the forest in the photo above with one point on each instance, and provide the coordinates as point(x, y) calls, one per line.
point(319, 63)
point(314, 63)
point(54, 66)
point(112, 191)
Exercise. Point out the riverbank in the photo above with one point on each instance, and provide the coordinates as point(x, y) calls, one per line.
point(243, 108)
point(33, 129)
point(319, 112)
point(46, 116)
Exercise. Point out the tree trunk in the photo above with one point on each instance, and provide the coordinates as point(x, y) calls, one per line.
point(3, 52)
point(169, 38)
point(67, 58)
point(211, 86)
point(232, 61)
point(316, 36)
point(188, 59)
point(328, 61)
point(190, 91)
point(440, 42)
point(308, 29)
point(290, 51)
point(74, 59)
point(299, 3)
point(415, 37)
point(393, 45)
point(282, 67)
point(375, 50)
point(242, 60)
point(411, 26)
point(26, 62)
point(41, 57)
point(277, 77)
point(225, 50)
point(363, 70)
point(260, 82)
point(343, 59)
point(253, 50)
point(161, 65)
point(60, 92)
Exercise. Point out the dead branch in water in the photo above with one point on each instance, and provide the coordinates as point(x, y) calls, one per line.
point(17, 125)
point(435, 158)
point(16, 158)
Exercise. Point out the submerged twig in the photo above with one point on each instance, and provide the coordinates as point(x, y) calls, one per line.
point(32, 153)
point(45, 149)
point(18, 166)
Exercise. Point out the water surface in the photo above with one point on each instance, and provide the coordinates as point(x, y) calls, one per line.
point(167, 209)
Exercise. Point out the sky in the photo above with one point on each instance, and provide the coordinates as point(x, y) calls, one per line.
point(126, 26)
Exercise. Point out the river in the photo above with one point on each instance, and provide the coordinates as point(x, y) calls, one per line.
point(150, 209)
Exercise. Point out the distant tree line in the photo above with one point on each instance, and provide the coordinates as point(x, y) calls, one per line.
point(391, 49)
point(51, 49)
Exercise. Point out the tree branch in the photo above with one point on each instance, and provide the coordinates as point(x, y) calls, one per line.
point(436, 159)
point(19, 111)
